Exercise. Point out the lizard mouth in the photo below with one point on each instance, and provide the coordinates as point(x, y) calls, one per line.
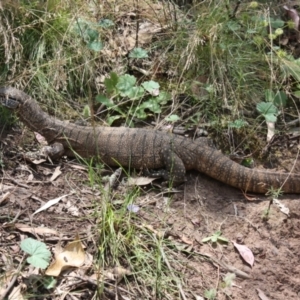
point(9, 101)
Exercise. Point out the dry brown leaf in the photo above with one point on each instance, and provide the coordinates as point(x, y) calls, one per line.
point(4, 197)
point(78, 167)
point(186, 240)
point(151, 228)
point(281, 206)
point(140, 181)
point(56, 173)
point(5, 187)
point(72, 209)
point(261, 295)
point(245, 252)
point(38, 161)
point(120, 272)
point(72, 255)
point(36, 230)
point(116, 274)
point(50, 203)
point(42, 141)
point(196, 221)
point(30, 177)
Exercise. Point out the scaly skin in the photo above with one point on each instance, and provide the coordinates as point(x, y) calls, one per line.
point(144, 149)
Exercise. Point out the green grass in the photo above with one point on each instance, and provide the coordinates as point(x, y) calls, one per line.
point(125, 241)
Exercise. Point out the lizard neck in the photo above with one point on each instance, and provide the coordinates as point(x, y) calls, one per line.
point(37, 120)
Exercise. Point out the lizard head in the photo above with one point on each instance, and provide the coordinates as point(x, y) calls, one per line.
point(11, 97)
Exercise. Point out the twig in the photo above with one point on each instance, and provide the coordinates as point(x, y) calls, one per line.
point(93, 282)
point(16, 182)
point(13, 280)
point(229, 268)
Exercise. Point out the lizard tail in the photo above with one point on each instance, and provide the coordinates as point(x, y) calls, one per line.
point(220, 167)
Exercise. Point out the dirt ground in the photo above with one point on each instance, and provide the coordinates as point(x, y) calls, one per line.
point(199, 208)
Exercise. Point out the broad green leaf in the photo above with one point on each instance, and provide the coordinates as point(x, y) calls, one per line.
point(88, 34)
point(140, 113)
point(280, 99)
point(269, 95)
point(150, 86)
point(163, 97)
point(237, 123)
point(207, 239)
point(270, 118)
point(125, 83)
point(172, 118)
point(111, 82)
point(91, 35)
point(106, 23)
point(276, 23)
point(108, 103)
point(104, 100)
point(49, 282)
point(38, 262)
point(80, 27)
point(136, 92)
point(296, 94)
point(95, 46)
point(40, 255)
point(223, 239)
point(214, 238)
point(152, 105)
point(111, 119)
point(138, 53)
point(266, 108)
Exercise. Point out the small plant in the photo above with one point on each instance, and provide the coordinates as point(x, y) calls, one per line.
point(138, 53)
point(215, 238)
point(89, 34)
point(239, 123)
point(39, 254)
point(227, 283)
point(39, 258)
point(269, 109)
point(210, 294)
point(129, 99)
point(274, 193)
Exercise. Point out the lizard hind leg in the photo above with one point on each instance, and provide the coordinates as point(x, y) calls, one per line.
point(175, 169)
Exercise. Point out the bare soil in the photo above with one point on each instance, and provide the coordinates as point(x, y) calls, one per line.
point(200, 208)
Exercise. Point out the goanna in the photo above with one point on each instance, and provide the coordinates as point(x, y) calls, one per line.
point(144, 149)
